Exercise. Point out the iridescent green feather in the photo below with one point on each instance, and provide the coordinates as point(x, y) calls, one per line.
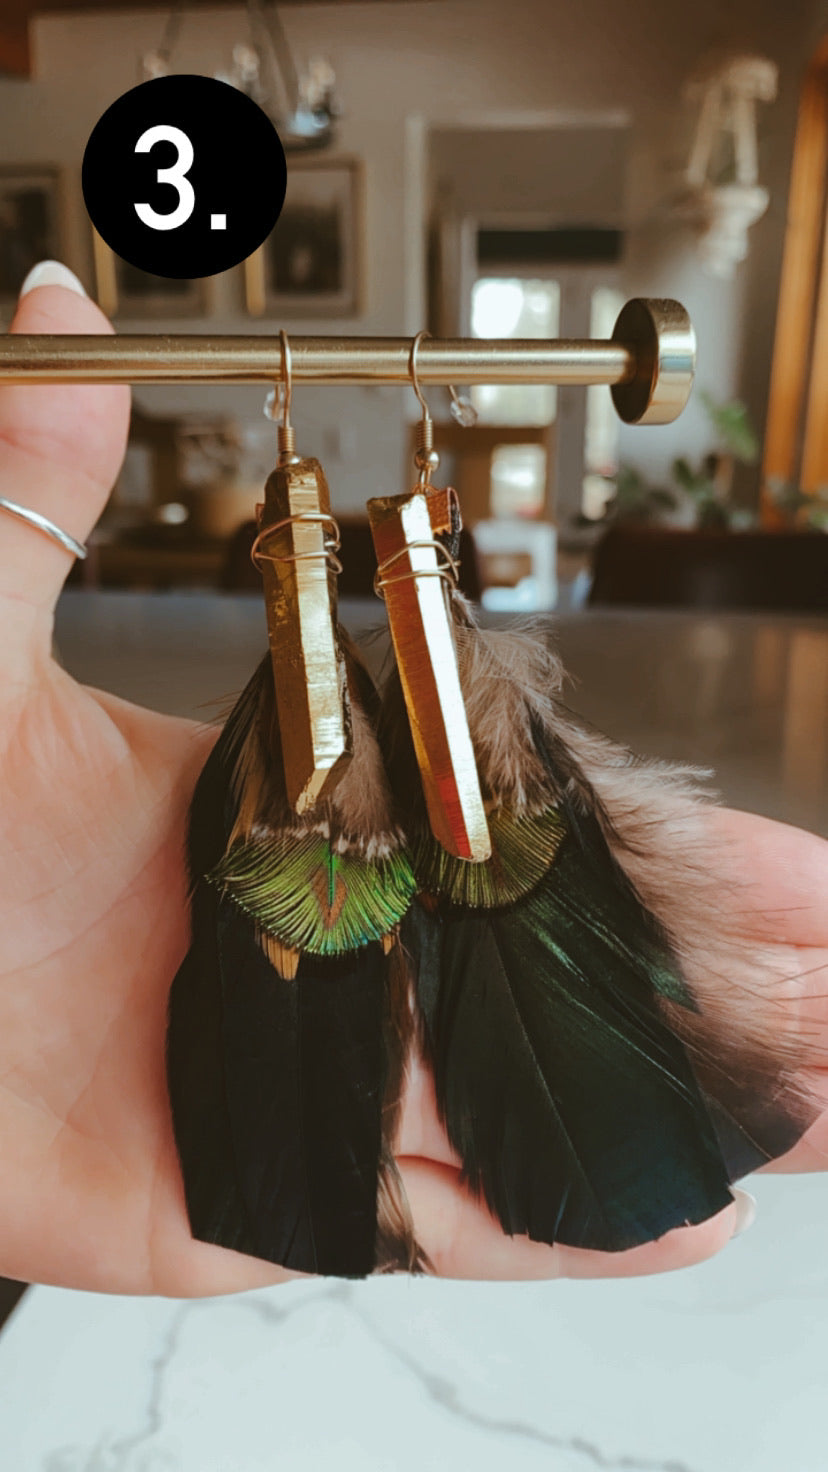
point(522, 851)
point(312, 899)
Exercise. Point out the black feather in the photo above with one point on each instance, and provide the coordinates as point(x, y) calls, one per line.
point(571, 1104)
point(276, 1084)
point(755, 1109)
point(304, 1083)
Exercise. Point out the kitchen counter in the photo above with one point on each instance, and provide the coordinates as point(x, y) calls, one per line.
point(745, 695)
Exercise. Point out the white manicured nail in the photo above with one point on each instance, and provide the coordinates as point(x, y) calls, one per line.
point(51, 273)
point(745, 1210)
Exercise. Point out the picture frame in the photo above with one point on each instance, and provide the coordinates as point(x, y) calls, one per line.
point(312, 263)
point(122, 290)
point(33, 224)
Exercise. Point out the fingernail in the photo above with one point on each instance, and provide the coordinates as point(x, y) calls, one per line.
point(51, 273)
point(745, 1210)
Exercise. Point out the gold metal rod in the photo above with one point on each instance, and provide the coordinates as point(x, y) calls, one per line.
point(648, 363)
point(322, 360)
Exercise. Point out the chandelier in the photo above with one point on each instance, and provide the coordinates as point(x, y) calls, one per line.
point(301, 105)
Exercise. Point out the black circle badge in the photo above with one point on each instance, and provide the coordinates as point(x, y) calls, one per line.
point(184, 176)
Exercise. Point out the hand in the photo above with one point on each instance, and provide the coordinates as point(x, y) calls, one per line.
point(94, 925)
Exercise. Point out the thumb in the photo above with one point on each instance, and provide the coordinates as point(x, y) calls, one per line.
point(61, 445)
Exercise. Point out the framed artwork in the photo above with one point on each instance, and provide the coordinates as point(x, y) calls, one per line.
point(32, 224)
point(312, 262)
point(124, 291)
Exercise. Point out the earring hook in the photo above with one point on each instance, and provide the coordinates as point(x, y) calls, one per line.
point(425, 456)
point(462, 410)
point(286, 436)
point(287, 375)
point(412, 369)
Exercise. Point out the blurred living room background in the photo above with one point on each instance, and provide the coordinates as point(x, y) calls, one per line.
point(489, 170)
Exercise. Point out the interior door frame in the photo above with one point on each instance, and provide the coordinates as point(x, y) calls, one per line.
point(567, 441)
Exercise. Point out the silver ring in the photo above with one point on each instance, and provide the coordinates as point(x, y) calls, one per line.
point(43, 524)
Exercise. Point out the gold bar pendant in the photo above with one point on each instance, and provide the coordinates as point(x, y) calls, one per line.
point(308, 665)
point(423, 639)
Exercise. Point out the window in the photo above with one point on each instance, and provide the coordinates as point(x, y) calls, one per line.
point(511, 306)
point(577, 301)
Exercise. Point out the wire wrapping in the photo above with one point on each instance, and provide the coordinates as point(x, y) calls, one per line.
point(329, 550)
point(448, 570)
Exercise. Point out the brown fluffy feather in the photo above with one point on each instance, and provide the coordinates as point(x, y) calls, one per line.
point(358, 813)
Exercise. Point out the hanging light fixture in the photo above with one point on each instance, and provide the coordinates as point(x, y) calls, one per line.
point(301, 105)
point(721, 195)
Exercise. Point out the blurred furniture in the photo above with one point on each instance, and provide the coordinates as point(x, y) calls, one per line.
point(156, 563)
point(159, 435)
point(162, 558)
point(359, 561)
point(711, 569)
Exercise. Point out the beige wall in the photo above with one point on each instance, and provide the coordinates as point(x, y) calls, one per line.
point(569, 175)
point(467, 63)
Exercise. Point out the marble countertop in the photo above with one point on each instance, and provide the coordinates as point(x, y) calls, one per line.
point(719, 1368)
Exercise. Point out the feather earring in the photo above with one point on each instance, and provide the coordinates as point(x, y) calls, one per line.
point(593, 1067)
point(289, 1017)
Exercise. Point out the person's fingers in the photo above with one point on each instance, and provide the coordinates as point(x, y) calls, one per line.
point(60, 445)
point(421, 1132)
point(463, 1240)
point(777, 880)
point(811, 1152)
point(779, 874)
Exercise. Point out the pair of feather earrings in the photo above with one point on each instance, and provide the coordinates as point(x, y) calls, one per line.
point(455, 865)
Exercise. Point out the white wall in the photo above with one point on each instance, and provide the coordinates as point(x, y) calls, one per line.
point(403, 68)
